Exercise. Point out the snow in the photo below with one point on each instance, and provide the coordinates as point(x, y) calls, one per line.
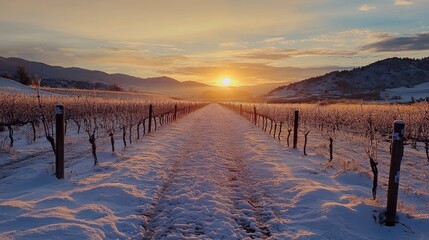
point(405, 94)
point(14, 87)
point(209, 175)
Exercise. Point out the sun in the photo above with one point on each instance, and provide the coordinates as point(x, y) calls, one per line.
point(226, 82)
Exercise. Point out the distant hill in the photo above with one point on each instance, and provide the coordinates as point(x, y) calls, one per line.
point(370, 82)
point(56, 76)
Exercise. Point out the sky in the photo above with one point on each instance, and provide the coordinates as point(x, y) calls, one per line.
point(249, 41)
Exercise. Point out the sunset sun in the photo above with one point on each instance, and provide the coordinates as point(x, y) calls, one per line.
point(226, 82)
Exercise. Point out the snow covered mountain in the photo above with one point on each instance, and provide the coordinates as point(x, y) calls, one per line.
point(370, 82)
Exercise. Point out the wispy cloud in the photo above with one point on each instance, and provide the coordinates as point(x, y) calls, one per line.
point(415, 42)
point(274, 40)
point(277, 54)
point(232, 44)
point(403, 2)
point(366, 7)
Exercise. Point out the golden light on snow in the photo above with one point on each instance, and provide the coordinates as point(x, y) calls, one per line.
point(226, 81)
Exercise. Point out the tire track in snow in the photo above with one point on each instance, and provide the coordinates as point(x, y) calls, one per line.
point(243, 193)
point(158, 205)
point(174, 171)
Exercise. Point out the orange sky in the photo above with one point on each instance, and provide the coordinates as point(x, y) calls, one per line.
point(249, 41)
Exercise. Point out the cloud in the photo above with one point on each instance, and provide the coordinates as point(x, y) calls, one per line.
point(162, 20)
point(274, 40)
point(415, 42)
point(366, 8)
point(403, 2)
point(232, 44)
point(277, 54)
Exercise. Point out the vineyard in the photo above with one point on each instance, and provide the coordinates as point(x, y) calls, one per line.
point(362, 132)
point(370, 121)
point(98, 117)
point(212, 174)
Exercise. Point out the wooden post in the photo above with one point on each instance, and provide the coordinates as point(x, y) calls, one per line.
point(175, 112)
point(295, 129)
point(241, 109)
point(59, 131)
point(149, 128)
point(254, 112)
point(395, 165)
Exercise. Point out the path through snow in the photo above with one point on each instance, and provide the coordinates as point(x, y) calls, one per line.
point(214, 175)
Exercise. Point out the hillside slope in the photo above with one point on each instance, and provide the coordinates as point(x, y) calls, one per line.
point(13, 87)
point(368, 82)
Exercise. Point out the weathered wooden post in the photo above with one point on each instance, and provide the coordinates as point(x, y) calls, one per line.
point(241, 109)
point(175, 112)
point(254, 112)
point(395, 165)
point(59, 131)
point(295, 129)
point(149, 128)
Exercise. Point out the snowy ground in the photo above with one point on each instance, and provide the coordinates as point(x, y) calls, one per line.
point(14, 87)
point(404, 94)
point(209, 175)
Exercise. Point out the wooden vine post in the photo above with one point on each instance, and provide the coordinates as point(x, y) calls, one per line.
point(59, 131)
point(149, 128)
point(295, 129)
point(255, 116)
point(175, 112)
point(395, 166)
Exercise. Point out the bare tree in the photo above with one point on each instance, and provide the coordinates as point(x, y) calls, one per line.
point(22, 75)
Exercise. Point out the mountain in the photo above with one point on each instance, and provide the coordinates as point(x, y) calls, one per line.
point(57, 76)
point(370, 82)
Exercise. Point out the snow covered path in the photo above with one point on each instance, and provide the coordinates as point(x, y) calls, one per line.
point(214, 174)
point(210, 175)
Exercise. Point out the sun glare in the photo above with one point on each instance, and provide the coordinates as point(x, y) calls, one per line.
point(226, 81)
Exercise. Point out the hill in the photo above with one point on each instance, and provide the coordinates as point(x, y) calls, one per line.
point(57, 76)
point(371, 82)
